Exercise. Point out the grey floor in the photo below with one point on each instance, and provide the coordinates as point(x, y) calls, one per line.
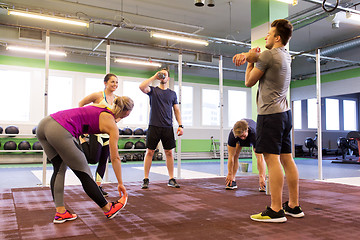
point(30, 175)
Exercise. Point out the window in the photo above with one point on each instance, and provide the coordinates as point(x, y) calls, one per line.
point(332, 114)
point(236, 106)
point(93, 85)
point(210, 107)
point(186, 104)
point(349, 115)
point(312, 113)
point(15, 108)
point(139, 114)
point(297, 114)
point(60, 94)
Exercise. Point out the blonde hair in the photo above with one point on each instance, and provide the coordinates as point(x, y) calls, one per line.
point(121, 104)
point(240, 127)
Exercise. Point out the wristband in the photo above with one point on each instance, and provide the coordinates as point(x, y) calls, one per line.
point(181, 126)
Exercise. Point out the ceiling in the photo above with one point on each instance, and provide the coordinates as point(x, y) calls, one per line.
point(134, 19)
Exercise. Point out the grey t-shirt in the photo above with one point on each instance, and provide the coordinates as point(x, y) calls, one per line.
point(274, 84)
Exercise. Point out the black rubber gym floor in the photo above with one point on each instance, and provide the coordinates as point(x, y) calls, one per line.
point(200, 209)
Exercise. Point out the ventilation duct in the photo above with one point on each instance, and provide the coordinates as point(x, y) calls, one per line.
point(32, 34)
point(204, 57)
point(337, 48)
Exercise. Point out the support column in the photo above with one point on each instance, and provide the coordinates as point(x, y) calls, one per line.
point(263, 13)
point(46, 101)
point(180, 105)
point(107, 67)
point(221, 91)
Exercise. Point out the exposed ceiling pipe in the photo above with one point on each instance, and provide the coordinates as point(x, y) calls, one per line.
point(346, 9)
point(131, 43)
point(102, 54)
point(341, 47)
point(167, 48)
point(307, 75)
point(78, 5)
point(107, 35)
point(338, 48)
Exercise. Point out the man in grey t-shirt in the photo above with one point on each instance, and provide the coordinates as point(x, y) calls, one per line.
point(274, 123)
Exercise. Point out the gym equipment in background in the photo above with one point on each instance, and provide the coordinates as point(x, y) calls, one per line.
point(145, 131)
point(126, 157)
point(12, 130)
point(1, 130)
point(349, 145)
point(311, 144)
point(34, 130)
point(120, 131)
point(10, 145)
point(157, 155)
point(129, 145)
point(37, 146)
point(343, 144)
point(24, 145)
point(139, 145)
point(127, 131)
point(138, 131)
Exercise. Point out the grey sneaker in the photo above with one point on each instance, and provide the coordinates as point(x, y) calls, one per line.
point(172, 183)
point(145, 183)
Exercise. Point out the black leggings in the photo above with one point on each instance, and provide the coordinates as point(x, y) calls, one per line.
point(63, 151)
point(97, 151)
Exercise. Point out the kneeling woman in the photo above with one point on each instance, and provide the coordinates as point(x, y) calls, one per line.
point(58, 134)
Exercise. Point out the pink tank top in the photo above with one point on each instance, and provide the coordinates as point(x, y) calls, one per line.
point(80, 120)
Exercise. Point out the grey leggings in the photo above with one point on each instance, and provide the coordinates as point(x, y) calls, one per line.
point(63, 150)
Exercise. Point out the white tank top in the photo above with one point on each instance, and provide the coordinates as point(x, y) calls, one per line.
point(109, 105)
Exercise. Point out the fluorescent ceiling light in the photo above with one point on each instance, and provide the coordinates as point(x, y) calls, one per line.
point(293, 2)
point(353, 16)
point(179, 38)
point(35, 50)
point(48, 18)
point(138, 62)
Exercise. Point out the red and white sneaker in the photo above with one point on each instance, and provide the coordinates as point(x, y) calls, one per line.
point(116, 207)
point(63, 217)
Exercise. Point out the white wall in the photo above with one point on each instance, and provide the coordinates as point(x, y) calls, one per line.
point(335, 88)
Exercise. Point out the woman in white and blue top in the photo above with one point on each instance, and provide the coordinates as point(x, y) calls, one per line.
point(96, 147)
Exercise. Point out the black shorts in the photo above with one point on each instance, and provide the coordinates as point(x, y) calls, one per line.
point(273, 133)
point(165, 134)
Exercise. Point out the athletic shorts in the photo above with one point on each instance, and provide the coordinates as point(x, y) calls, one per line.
point(165, 134)
point(273, 133)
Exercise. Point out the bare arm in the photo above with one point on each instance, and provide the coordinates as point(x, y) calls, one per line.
point(145, 85)
point(92, 98)
point(107, 125)
point(252, 75)
point(178, 119)
point(233, 155)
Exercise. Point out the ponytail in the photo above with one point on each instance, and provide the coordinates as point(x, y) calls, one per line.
point(121, 104)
